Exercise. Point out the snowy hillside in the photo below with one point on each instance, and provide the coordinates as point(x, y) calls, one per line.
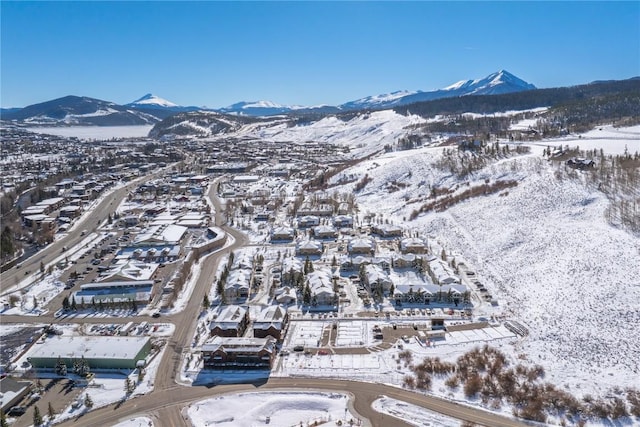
point(365, 133)
point(543, 248)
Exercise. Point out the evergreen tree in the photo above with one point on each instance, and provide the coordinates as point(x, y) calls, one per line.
point(37, 417)
point(88, 402)
point(51, 412)
point(128, 386)
point(220, 288)
point(205, 302)
point(3, 419)
point(307, 261)
point(7, 246)
point(61, 368)
point(334, 262)
point(41, 267)
point(306, 294)
point(35, 302)
point(74, 306)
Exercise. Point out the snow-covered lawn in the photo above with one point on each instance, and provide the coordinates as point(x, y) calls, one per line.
point(135, 422)
point(273, 408)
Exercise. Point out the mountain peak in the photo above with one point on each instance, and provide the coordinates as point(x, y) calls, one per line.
point(151, 100)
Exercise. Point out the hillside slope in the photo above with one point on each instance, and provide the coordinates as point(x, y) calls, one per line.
point(543, 248)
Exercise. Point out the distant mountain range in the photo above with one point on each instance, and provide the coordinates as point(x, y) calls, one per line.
point(150, 109)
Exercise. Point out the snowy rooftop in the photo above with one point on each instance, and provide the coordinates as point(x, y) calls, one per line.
point(89, 347)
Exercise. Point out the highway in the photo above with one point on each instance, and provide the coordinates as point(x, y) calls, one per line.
point(165, 403)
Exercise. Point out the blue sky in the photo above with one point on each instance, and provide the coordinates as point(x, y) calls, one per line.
point(308, 53)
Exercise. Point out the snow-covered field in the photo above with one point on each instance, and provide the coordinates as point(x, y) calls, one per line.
point(97, 133)
point(273, 408)
point(612, 140)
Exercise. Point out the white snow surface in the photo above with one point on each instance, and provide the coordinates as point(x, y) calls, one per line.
point(282, 409)
point(135, 422)
point(412, 414)
point(95, 132)
point(612, 140)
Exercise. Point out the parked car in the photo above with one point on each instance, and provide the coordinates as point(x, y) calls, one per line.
point(17, 411)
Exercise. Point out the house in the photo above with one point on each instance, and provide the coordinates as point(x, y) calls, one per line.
point(321, 285)
point(441, 272)
point(405, 261)
point(325, 232)
point(579, 163)
point(271, 321)
point(282, 234)
point(229, 321)
point(343, 221)
point(239, 353)
point(286, 295)
point(387, 230)
point(362, 245)
point(308, 221)
point(309, 247)
point(237, 284)
point(413, 245)
point(376, 278)
point(343, 208)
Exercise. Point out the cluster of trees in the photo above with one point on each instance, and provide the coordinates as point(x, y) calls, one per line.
point(69, 303)
point(486, 374)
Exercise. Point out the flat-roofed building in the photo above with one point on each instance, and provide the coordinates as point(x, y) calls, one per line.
point(103, 352)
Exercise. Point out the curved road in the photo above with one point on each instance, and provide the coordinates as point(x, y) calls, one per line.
point(165, 402)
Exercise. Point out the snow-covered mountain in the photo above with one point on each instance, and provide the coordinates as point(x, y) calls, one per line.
point(152, 101)
point(269, 108)
point(81, 110)
point(496, 83)
point(256, 108)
